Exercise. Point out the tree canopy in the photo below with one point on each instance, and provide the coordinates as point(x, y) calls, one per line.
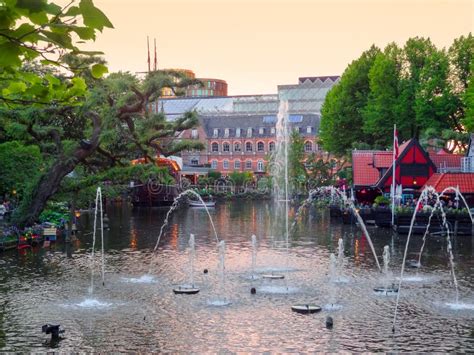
point(54, 101)
point(424, 90)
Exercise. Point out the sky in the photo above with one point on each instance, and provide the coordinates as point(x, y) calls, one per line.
point(256, 45)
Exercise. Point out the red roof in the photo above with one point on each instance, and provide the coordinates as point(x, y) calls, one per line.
point(465, 182)
point(363, 170)
point(443, 159)
point(383, 159)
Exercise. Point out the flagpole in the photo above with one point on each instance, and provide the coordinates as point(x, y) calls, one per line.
point(393, 168)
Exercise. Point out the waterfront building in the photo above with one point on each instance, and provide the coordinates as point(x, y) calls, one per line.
point(239, 131)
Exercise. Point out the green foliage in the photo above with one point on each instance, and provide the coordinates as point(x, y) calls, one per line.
point(321, 172)
point(19, 163)
point(296, 169)
point(52, 96)
point(419, 88)
point(213, 176)
point(468, 100)
point(342, 120)
point(43, 32)
point(240, 178)
point(55, 213)
point(382, 200)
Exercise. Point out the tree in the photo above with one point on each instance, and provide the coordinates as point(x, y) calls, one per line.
point(381, 113)
point(342, 119)
point(79, 123)
point(415, 54)
point(19, 164)
point(468, 100)
point(424, 90)
point(296, 169)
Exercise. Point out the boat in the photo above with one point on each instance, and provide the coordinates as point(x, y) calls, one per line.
point(208, 204)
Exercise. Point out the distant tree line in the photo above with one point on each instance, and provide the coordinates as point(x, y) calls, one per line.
point(427, 92)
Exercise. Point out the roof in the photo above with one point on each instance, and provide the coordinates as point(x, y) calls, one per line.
point(444, 160)
point(402, 151)
point(383, 159)
point(321, 78)
point(465, 182)
point(255, 122)
point(363, 169)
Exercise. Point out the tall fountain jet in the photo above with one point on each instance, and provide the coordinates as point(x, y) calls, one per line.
point(98, 208)
point(279, 172)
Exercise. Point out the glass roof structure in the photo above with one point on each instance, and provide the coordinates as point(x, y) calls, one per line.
point(306, 97)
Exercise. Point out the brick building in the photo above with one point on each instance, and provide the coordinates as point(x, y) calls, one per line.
point(245, 142)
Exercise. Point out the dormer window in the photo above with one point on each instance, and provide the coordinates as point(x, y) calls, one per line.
point(226, 133)
point(261, 130)
point(216, 132)
point(249, 132)
point(237, 132)
point(308, 129)
point(272, 130)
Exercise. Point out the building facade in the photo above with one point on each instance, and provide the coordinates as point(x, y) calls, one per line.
point(239, 132)
point(245, 142)
point(210, 87)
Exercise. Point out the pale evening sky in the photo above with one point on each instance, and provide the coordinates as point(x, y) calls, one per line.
point(257, 44)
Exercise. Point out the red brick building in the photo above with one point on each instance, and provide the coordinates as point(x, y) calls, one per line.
point(245, 142)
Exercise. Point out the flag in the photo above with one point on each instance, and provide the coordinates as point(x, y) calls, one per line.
point(395, 143)
point(394, 181)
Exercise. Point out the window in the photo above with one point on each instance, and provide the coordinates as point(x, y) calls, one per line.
point(216, 132)
point(237, 147)
point(226, 132)
point(295, 118)
point(308, 146)
point(271, 146)
point(260, 165)
point(226, 147)
point(194, 161)
point(272, 130)
point(249, 132)
point(248, 147)
point(225, 164)
point(214, 164)
point(237, 132)
point(194, 134)
point(260, 147)
point(248, 164)
point(308, 129)
point(261, 130)
point(269, 119)
point(214, 147)
point(237, 164)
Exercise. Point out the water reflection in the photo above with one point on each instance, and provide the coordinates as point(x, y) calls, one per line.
point(46, 286)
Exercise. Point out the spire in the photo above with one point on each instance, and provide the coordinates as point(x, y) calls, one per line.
point(155, 61)
point(148, 49)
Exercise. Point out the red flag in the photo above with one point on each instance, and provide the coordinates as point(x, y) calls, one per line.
point(395, 143)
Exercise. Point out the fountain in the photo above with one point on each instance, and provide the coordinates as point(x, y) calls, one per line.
point(423, 197)
point(281, 155)
point(222, 299)
point(189, 289)
point(98, 207)
point(91, 302)
point(253, 270)
point(173, 207)
point(386, 289)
